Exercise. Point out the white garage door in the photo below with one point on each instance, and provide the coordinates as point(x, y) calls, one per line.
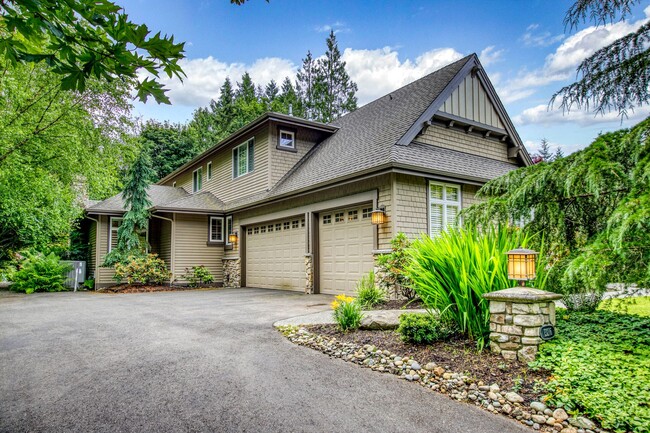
point(275, 255)
point(346, 244)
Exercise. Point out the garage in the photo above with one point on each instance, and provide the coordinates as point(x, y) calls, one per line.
point(345, 252)
point(275, 254)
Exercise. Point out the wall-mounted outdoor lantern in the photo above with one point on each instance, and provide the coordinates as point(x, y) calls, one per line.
point(232, 238)
point(378, 215)
point(521, 265)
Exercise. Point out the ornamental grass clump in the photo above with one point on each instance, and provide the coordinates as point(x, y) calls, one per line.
point(347, 312)
point(368, 293)
point(451, 272)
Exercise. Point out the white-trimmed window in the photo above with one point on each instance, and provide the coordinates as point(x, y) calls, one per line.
point(243, 157)
point(208, 169)
point(228, 228)
point(197, 179)
point(286, 139)
point(115, 223)
point(444, 206)
point(216, 229)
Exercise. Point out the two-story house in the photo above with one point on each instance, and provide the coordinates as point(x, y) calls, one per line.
point(310, 205)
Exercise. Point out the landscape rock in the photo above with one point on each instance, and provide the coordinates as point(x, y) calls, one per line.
point(582, 422)
point(513, 397)
point(538, 406)
point(560, 415)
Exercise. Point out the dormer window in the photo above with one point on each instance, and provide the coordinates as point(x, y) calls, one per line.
point(286, 139)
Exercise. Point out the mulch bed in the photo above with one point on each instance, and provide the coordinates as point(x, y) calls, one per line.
point(399, 305)
point(137, 288)
point(457, 355)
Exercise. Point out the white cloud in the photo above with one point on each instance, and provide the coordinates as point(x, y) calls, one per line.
point(542, 39)
point(206, 75)
point(490, 55)
point(337, 27)
point(542, 115)
point(378, 72)
point(562, 63)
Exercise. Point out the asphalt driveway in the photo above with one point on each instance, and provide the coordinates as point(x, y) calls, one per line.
point(196, 361)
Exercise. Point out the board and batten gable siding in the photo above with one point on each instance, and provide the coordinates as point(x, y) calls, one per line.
point(191, 249)
point(222, 183)
point(281, 161)
point(450, 138)
point(470, 101)
point(412, 201)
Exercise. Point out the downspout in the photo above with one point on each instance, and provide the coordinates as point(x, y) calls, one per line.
point(172, 253)
point(97, 240)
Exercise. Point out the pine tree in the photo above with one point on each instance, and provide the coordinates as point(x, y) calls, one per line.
point(246, 89)
point(271, 93)
point(334, 91)
point(305, 80)
point(545, 152)
point(289, 100)
point(136, 219)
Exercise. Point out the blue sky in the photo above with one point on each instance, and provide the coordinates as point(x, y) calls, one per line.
point(522, 45)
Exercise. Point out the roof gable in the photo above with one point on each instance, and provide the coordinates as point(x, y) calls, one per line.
point(471, 101)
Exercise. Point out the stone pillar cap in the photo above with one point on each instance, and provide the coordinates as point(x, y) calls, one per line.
point(522, 294)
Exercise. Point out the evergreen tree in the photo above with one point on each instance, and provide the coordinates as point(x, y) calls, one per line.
point(271, 93)
point(130, 241)
point(305, 81)
point(616, 76)
point(289, 100)
point(246, 89)
point(334, 90)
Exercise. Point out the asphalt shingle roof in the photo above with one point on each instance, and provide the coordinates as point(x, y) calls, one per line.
point(200, 202)
point(158, 194)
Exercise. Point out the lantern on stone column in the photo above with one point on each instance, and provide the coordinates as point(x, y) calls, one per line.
point(521, 265)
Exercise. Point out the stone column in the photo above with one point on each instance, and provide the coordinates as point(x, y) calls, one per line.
point(516, 317)
point(231, 272)
point(309, 274)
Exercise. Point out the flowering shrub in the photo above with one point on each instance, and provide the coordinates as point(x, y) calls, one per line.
point(347, 312)
point(148, 269)
point(198, 275)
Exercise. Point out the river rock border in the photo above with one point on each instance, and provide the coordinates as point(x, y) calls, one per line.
point(457, 386)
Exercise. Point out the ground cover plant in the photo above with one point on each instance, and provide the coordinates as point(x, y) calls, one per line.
point(421, 328)
point(637, 305)
point(600, 364)
point(452, 271)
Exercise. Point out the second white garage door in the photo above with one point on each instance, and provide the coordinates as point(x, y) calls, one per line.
point(346, 244)
point(275, 255)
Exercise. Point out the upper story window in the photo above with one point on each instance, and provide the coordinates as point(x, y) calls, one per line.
point(444, 206)
point(216, 229)
point(197, 179)
point(286, 139)
point(243, 157)
point(209, 170)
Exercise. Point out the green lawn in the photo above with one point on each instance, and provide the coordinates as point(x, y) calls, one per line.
point(640, 305)
point(600, 366)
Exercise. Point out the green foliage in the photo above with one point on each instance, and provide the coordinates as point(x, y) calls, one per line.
point(616, 349)
point(593, 207)
point(616, 76)
point(80, 39)
point(169, 146)
point(39, 273)
point(368, 293)
point(453, 270)
point(44, 178)
point(347, 312)
point(421, 328)
point(392, 266)
point(136, 219)
point(89, 284)
point(147, 269)
point(198, 275)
